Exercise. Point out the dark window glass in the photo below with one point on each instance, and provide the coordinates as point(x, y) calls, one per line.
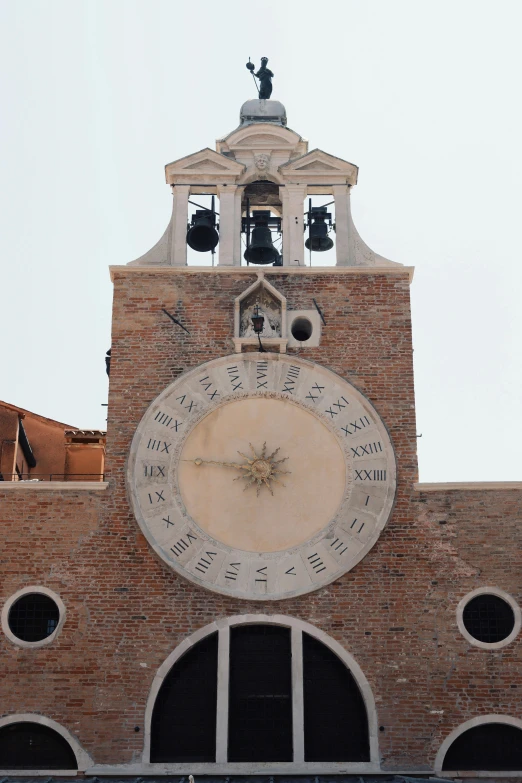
point(260, 695)
point(335, 720)
point(32, 746)
point(492, 746)
point(33, 617)
point(184, 716)
point(488, 618)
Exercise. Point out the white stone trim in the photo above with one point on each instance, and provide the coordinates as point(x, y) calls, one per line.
point(476, 486)
point(315, 322)
point(83, 759)
point(57, 486)
point(25, 591)
point(297, 627)
point(469, 724)
point(489, 591)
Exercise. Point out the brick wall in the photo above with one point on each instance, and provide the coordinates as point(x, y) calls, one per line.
point(395, 612)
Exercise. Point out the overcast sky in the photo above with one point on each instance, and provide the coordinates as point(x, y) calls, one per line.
point(424, 96)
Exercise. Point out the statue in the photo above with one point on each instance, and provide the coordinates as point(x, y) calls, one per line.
point(265, 77)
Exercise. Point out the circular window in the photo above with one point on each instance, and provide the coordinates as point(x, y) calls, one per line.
point(489, 618)
point(32, 616)
point(301, 329)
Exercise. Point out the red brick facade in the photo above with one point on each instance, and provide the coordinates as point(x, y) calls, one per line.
point(395, 612)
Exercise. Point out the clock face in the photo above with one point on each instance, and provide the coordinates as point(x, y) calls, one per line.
point(261, 476)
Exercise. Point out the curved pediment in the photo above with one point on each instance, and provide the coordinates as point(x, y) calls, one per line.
point(260, 137)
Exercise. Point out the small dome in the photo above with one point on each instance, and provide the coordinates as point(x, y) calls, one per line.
point(262, 111)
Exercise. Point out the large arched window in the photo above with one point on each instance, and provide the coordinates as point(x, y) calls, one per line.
point(261, 691)
point(34, 746)
point(489, 746)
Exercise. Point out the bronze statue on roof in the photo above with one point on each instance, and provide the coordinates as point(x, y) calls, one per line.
point(265, 77)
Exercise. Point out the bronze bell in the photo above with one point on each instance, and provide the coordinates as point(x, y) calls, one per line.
point(318, 239)
point(261, 250)
point(202, 235)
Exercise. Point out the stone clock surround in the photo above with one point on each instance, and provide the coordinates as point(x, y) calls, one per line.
point(311, 530)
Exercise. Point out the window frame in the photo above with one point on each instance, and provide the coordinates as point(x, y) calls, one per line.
point(222, 765)
point(40, 589)
point(499, 594)
point(470, 724)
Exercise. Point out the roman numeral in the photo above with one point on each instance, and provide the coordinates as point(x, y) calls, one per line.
point(204, 563)
point(339, 545)
point(168, 522)
point(262, 374)
point(262, 572)
point(207, 384)
point(233, 571)
point(367, 499)
point(165, 419)
point(369, 448)
point(159, 445)
point(338, 405)
point(149, 471)
point(370, 475)
point(182, 402)
point(183, 544)
point(233, 374)
point(354, 523)
point(316, 563)
point(291, 571)
point(353, 426)
point(317, 389)
point(156, 497)
point(291, 379)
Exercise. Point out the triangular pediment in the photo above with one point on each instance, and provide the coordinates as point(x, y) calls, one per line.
point(317, 162)
point(205, 161)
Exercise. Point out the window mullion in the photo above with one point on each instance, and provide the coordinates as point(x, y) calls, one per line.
point(222, 695)
point(297, 694)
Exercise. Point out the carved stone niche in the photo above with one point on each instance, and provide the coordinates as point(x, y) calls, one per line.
point(272, 306)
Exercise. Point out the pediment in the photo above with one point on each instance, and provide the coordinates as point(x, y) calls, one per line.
point(259, 137)
point(207, 162)
point(317, 163)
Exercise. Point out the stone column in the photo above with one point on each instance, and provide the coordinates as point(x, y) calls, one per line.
point(285, 225)
point(227, 224)
point(343, 226)
point(293, 216)
point(237, 224)
point(178, 243)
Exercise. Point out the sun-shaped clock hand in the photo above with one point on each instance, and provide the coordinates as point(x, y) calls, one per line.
point(260, 470)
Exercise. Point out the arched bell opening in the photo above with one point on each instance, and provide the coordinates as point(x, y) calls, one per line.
point(203, 229)
point(31, 746)
point(261, 226)
point(285, 693)
point(319, 228)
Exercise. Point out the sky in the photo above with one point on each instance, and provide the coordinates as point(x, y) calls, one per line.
point(98, 95)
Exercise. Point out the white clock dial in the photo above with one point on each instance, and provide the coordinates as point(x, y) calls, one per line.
point(261, 476)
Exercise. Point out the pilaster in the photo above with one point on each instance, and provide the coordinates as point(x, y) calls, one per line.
point(344, 240)
point(178, 246)
point(228, 225)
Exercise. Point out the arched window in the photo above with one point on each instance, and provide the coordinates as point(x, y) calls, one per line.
point(34, 746)
point(184, 717)
point(489, 746)
point(282, 695)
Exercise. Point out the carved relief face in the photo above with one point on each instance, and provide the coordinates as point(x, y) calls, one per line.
point(262, 161)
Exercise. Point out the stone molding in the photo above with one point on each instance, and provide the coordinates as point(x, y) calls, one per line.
point(500, 594)
point(83, 760)
point(470, 724)
point(58, 486)
point(26, 591)
point(459, 486)
point(298, 765)
point(399, 270)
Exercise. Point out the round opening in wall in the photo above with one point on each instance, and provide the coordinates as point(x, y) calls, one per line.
point(301, 329)
point(488, 618)
point(33, 617)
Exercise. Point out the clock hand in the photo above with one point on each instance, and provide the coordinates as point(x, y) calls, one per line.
point(198, 461)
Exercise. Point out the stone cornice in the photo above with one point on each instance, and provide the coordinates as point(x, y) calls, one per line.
point(463, 486)
point(395, 271)
point(58, 486)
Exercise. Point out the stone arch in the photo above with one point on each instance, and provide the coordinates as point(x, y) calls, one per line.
point(83, 759)
point(297, 628)
point(470, 724)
